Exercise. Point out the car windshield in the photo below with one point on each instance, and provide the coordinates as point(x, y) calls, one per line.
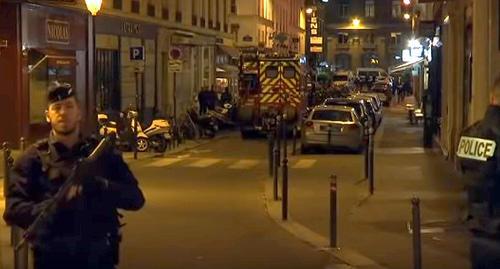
point(339, 78)
point(332, 115)
point(356, 106)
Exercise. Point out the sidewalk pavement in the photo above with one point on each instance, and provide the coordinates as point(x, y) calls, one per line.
point(373, 230)
point(6, 251)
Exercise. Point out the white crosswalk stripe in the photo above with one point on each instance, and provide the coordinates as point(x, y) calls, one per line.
point(244, 164)
point(164, 162)
point(203, 163)
point(304, 164)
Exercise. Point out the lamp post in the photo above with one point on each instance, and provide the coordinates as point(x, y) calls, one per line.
point(93, 6)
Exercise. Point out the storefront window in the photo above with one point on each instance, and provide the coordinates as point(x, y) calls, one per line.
point(43, 69)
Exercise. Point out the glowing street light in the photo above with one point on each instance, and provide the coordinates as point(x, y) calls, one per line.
point(93, 6)
point(356, 22)
point(407, 2)
point(309, 10)
point(406, 16)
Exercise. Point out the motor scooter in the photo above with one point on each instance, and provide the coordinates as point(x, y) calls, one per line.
point(155, 137)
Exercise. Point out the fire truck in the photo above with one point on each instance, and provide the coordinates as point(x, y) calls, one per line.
point(269, 85)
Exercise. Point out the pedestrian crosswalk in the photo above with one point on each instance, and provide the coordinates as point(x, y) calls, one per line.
point(304, 164)
point(231, 164)
point(203, 163)
point(244, 164)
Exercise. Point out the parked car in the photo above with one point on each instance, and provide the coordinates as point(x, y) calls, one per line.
point(383, 91)
point(332, 126)
point(377, 102)
point(371, 104)
point(360, 108)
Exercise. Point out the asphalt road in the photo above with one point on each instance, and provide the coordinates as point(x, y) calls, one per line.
point(205, 209)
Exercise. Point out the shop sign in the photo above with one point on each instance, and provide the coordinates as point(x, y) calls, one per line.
point(58, 32)
point(314, 23)
point(316, 49)
point(131, 28)
point(316, 40)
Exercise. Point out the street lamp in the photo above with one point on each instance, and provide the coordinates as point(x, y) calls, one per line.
point(406, 16)
point(309, 10)
point(93, 6)
point(356, 22)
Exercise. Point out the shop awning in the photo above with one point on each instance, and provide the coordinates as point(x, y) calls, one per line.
point(226, 69)
point(233, 52)
point(405, 66)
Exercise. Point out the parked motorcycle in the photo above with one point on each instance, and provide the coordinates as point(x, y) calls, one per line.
point(207, 124)
point(154, 137)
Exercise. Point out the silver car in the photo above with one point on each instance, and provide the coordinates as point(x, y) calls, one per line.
point(332, 126)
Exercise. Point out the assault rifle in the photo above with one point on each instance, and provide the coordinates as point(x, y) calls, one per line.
point(80, 171)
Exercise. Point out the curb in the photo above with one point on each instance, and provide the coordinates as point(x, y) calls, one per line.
point(349, 257)
point(192, 144)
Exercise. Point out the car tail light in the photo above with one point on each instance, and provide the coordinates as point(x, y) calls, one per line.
point(309, 124)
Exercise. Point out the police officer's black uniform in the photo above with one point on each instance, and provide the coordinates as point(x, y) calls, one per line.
point(84, 233)
point(479, 155)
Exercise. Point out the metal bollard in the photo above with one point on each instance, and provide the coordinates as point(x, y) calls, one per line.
point(6, 156)
point(367, 154)
point(275, 171)
point(294, 143)
point(278, 138)
point(270, 152)
point(135, 138)
point(333, 211)
point(284, 185)
point(284, 191)
point(370, 162)
point(21, 255)
point(22, 144)
point(417, 243)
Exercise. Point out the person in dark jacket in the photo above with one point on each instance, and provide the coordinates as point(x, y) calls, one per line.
point(479, 156)
point(84, 231)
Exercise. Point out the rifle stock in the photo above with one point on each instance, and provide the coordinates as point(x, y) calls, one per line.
point(77, 172)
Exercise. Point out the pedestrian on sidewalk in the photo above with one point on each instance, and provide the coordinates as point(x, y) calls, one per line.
point(202, 100)
point(479, 152)
point(84, 233)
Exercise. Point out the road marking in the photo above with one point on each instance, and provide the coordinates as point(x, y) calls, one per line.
point(244, 164)
point(164, 162)
point(394, 151)
point(204, 163)
point(304, 164)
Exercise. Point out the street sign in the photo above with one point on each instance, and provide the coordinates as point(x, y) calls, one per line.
point(175, 53)
point(137, 53)
point(174, 65)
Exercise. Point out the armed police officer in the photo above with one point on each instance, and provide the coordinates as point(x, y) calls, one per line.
point(479, 155)
point(83, 233)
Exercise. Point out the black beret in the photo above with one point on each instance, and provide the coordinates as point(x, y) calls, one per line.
point(59, 91)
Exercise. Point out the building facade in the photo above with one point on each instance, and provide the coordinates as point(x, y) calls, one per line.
point(270, 24)
point(469, 57)
point(59, 45)
point(366, 33)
